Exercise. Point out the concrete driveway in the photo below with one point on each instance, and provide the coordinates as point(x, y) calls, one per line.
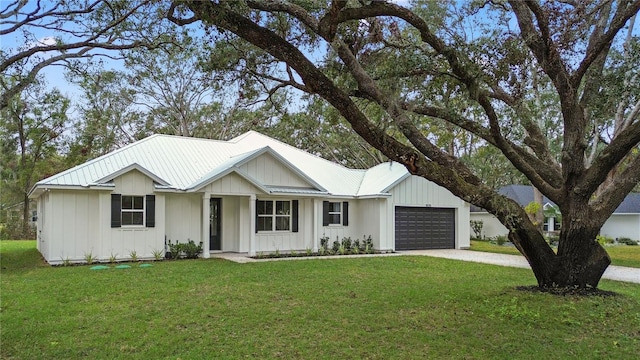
point(618, 273)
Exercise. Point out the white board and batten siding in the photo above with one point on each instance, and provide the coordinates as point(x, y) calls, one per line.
point(183, 217)
point(77, 223)
point(71, 218)
point(366, 218)
point(417, 191)
point(270, 171)
point(126, 239)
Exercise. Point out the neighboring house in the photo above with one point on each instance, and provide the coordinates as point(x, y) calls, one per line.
point(14, 213)
point(624, 222)
point(249, 194)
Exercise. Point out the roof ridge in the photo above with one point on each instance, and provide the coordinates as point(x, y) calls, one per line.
point(250, 132)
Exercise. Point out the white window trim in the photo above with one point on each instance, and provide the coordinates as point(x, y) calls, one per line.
point(143, 210)
point(339, 223)
point(274, 216)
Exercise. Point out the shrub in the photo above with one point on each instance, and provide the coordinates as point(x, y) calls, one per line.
point(14, 230)
point(336, 246)
point(552, 239)
point(476, 226)
point(188, 250)
point(501, 240)
point(367, 244)
point(603, 239)
point(346, 243)
point(627, 241)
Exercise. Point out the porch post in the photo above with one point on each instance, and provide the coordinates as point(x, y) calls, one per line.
point(315, 203)
point(206, 218)
point(252, 222)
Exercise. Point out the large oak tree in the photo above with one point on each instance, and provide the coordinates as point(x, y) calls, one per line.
point(362, 54)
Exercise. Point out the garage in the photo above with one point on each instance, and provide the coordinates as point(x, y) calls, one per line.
point(420, 228)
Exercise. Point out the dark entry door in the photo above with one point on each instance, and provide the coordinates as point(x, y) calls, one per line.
point(215, 224)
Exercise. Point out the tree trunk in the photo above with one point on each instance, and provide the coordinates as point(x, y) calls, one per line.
point(25, 215)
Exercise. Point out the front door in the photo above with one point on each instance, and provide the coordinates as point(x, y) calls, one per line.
point(215, 224)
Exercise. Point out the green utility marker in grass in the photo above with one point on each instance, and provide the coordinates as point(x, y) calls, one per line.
point(99, 267)
point(123, 267)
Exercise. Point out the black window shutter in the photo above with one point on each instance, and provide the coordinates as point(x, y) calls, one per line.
point(151, 210)
point(256, 216)
point(325, 213)
point(345, 213)
point(116, 210)
point(294, 215)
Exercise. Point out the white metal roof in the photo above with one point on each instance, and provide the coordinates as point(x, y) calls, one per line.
point(183, 163)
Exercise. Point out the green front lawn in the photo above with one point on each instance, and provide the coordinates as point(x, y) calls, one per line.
point(359, 308)
point(621, 255)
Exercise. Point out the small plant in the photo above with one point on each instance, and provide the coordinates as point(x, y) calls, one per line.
point(501, 240)
point(157, 254)
point(342, 249)
point(355, 250)
point(66, 261)
point(293, 253)
point(368, 244)
point(112, 258)
point(277, 253)
point(346, 243)
point(336, 246)
point(476, 226)
point(322, 251)
point(308, 251)
point(260, 255)
point(89, 258)
point(324, 241)
point(604, 240)
point(133, 255)
point(356, 244)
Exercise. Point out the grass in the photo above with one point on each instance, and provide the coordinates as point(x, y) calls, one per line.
point(621, 255)
point(373, 308)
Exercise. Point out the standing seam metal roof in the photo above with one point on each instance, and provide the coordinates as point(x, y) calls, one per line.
point(186, 163)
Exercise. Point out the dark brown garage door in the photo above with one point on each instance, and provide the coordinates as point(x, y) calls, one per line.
point(419, 228)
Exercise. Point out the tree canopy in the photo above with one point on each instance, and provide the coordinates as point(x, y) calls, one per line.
point(528, 82)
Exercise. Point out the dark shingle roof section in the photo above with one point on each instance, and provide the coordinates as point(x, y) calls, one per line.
point(523, 194)
point(630, 204)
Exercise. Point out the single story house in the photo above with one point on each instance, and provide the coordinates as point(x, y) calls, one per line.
point(250, 194)
point(624, 222)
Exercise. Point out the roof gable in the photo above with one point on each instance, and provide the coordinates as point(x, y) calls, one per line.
point(135, 166)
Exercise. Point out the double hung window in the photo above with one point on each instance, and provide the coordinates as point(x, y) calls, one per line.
point(273, 215)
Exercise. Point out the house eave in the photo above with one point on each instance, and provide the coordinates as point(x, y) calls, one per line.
point(39, 189)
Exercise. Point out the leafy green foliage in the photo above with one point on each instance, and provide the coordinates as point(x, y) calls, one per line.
point(476, 227)
point(188, 250)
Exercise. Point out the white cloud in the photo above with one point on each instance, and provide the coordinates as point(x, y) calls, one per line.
point(46, 41)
